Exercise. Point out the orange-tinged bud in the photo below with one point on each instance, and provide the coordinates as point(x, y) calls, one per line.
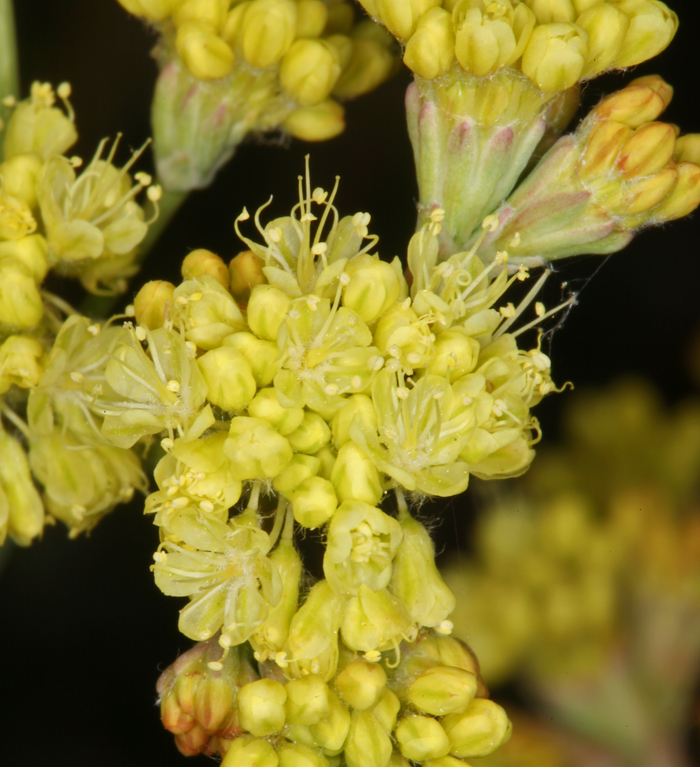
point(193, 741)
point(649, 149)
point(213, 702)
point(205, 54)
point(658, 85)
point(687, 148)
point(686, 195)
point(603, 145)
point(202, 261)
point(643, 194)
point(555, 56)
point(246, 271)
point(634, 105)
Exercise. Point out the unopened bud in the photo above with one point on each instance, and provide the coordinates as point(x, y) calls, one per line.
point(299, 755)
point(430, 49)
point(308, 700)
point(603, 146)
point(202, 261)
point(209, 12)
point(371, 63)
point(455, 353)
point(443, 690)
point(309, 70)
point(687, 148)
point(20, 362)
point(20, 300)
point(314, 502)
point(685, 197)
point(312, 16)
point(255, 449)
point(261, 707)
point(30, 253)
point(261, 355)
point(606, 27)
point(361, 684)
point(355, 477)
point(267, 31)
point(387, 710)
point(19, 175)
point(316, 123)
point(229, 378)
point(301, 467)
point(421, 738)
point(648, 149)
point(250, 752)
point(652, 27)
point(374, 287)
point(479, 731)
point(642, 101)
point(330, 733)
point(311, 435)
point(154, 303)
point(367, 744)
point(266, 405)
point(374, 621)
point(246, 272)
point(153, 10)
point(555, 56)
point(267, 308)
point(400, 17)
point(205, 54)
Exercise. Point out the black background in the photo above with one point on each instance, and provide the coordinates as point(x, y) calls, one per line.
point(83, 629)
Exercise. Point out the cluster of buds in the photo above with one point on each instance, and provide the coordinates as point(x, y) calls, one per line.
point(431, 708)
point(620, 171)
point(603, 540)
point(233, 68)
point(86, 226)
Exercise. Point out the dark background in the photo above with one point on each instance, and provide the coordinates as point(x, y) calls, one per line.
point(83, 629)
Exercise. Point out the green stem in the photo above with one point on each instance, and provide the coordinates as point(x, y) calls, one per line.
point(169, 204)
point(9, 69)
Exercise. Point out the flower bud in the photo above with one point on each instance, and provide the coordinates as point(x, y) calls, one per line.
point(652, 27)
point(367, 744)
point(387, 710)
point(19, 176)
point(301, 467)
point(430, 50)
point(361, 684)
point(154, 303)
point(20, 300)
point(209, 12)
point(308, 700)
point(455, 353)
point(37, 127)
point(153, 10)
point(479, 731)
point(355, 477)
point(246, 272)
point(312, 16)
point(374, 621)
point(20, 362)
point(373, 287)
point(311, 435)
point(330, 733)
point(314, 502)
point(316, 123)
point(200, 262)
point(401, 16)
point(24, 511)
point(687, 148)
point(250, 752)
point(642, 101)
point(442, 690)
point(255, 449)
point(207, 311)
point(299, 755)
point(648, 150)
point(602, 148)
point(357, 405)
point(606, 27)
point(266, 405)
point(308, 71)
point(30, 252)
point(261, 356)
point(229, 379)
point(421, 738)
point(555, 56)
point(261, 707)
point(16, 219)
point(454, 652)
point(205, 54)
point(267, 31)
point(267, 308)
point(371, 62)
point(685, 197)
point(640, 195)
point(416, 581)
point(548, 11)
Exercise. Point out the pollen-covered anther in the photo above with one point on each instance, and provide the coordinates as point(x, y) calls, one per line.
point(401, 392)
point(94, 330)
point(319, 196)
point(319, 249)
point(372, 656)
point(141, 333)
point(167, 444)
point(507, 311)
point(76, 376)
point(445, 628)
point(539, 309)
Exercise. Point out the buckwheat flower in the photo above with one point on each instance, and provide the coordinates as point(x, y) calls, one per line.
point(149, 390)
point(82, 483)
point(225, 571)
point(38, 127)
point(362, 542)
point(375, 620)
point(21, 362)
point(416, 442)
point(255, 449)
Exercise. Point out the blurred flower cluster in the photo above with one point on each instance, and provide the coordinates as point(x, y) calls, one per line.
point(585, 582)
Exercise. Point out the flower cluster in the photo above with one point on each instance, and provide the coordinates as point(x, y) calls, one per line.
point(431, 709)
point(232, 68)
point(586, 583)
point(86, 225)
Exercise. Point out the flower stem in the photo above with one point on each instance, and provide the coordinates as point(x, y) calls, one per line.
point(9, 69)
